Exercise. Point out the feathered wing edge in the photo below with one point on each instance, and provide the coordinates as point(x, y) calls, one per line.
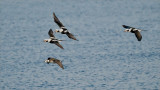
point(50, 33)
point(127, 26)
point(59, 45)
point(57, 21)
point(70, 35)
point(138, 35)
point(59, 63)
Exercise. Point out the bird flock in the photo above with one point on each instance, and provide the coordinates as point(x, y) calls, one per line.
point(63, 30)
point(54, 40)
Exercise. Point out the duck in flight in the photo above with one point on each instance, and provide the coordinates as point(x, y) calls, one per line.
point(53, 40)
point(133, 30)
point(62, 29)
point(53, 60)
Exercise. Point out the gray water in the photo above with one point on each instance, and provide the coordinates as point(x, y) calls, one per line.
point(104, 58)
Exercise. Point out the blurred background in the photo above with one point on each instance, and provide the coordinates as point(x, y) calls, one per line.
point(104, 58)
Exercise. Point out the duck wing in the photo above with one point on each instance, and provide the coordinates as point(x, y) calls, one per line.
point(59, 45)
point(50, 33)
point(138, 35)
point(127, 27)
point(70, 35)
point(59, 63)
point(57, 21)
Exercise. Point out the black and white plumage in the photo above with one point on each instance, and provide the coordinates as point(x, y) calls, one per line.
point(53, 40)
point(133, 30)
point(54, 60)
point(62, 29)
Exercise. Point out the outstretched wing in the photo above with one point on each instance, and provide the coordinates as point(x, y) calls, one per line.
point(138, 35)
point(59, 63)
point(56, 20)
point(57, 43)
point(50, 33)
point(128, 27)
point(70, 35)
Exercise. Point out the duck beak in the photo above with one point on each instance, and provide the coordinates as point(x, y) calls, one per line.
point(55, 31)
point(45, 61)
point(44, 40)
point(125, 30)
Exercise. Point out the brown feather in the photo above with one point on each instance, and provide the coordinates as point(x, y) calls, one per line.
point(54, 60)
point(59, 63)
point(57, 43)
point(128, 27)
point(57, 21)
point(71, 36)
point(50, 33)
point(138, 35)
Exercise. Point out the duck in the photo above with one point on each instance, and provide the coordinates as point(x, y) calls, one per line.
point(53, 40)
point(54, 60)
point(133, 30)
point(63, 29)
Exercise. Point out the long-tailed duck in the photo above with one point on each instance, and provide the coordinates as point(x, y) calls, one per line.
point(53, 60)
point(53, 40)
point(133, 30)
point(62, 29)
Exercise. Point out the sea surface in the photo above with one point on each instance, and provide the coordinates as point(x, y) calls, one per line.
point(104, 58)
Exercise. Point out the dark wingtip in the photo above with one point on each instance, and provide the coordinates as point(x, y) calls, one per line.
point(50, 30)
point(124, 25)
point(49, 58)
point(74, 39)
point(62, 48)
point(139, 39)
point(54, 14)
point(63, 68)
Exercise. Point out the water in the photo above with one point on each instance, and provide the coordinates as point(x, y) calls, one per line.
point(104, 58)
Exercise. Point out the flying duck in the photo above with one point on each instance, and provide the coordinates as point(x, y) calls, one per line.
point(53, 40)
point(62, 29)
point(133, 30)
point(53, 60)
